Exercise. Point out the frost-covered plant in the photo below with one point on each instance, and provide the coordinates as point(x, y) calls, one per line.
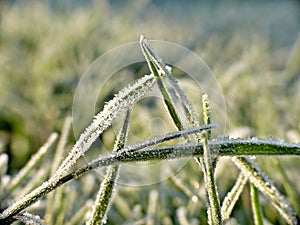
point(198, 144)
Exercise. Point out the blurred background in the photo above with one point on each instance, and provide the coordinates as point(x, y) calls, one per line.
point(252, 47)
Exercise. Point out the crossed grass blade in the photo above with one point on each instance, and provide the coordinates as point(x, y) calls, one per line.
point(262, 183)
point(156, 65)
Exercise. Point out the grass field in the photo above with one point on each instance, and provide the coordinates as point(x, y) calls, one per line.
point(252, 48)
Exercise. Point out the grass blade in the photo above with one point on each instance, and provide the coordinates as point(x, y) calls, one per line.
point(214, 211)
point(232, 196)
point(257, 215)
point(152, 207)
point(169, 103)
point(188, 107)
point(221, 147)
point(260, 181)
point(32, 163)
point(52, 205)
point(120, 103)
point(288, 187)
point(105, 192)
point(159, 139)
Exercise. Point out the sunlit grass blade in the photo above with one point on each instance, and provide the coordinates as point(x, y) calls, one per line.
point(256, 210)
point(3, 171)
point(186, 190)
point(232, 196)
point(35, 181)
point(290, 191)
point(54, 203)
point(104, 196)
point(79, 216)
point(152, 207)
point(181, 216)
point(32, 163)
point(261, 182)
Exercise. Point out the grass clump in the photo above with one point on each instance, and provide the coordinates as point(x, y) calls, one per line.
point(198, 142)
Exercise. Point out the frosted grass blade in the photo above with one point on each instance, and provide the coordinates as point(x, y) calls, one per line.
point(232, 196)
point(169, 103)
point(189, 109)
point(104, 196)
point(261, 182)
point(120, 103)
point(214, 211)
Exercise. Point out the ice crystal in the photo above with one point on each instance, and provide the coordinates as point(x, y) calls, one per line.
point(30, 219)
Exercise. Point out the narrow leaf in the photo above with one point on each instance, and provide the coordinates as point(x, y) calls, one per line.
point(257, 215)
point(214, 211)
point(32, 163)
point(232, 196)
point(104, 196)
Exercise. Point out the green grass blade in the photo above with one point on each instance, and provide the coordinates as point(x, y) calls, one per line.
point(220, 147)
point(257, 215)
point(104, 196)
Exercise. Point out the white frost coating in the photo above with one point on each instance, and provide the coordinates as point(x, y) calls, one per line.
point(262, 183)
point(30, 219)
point(159, 139)
point(232, 196)
point(122, 101)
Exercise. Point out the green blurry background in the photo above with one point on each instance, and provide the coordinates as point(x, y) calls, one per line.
point(252, 47)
